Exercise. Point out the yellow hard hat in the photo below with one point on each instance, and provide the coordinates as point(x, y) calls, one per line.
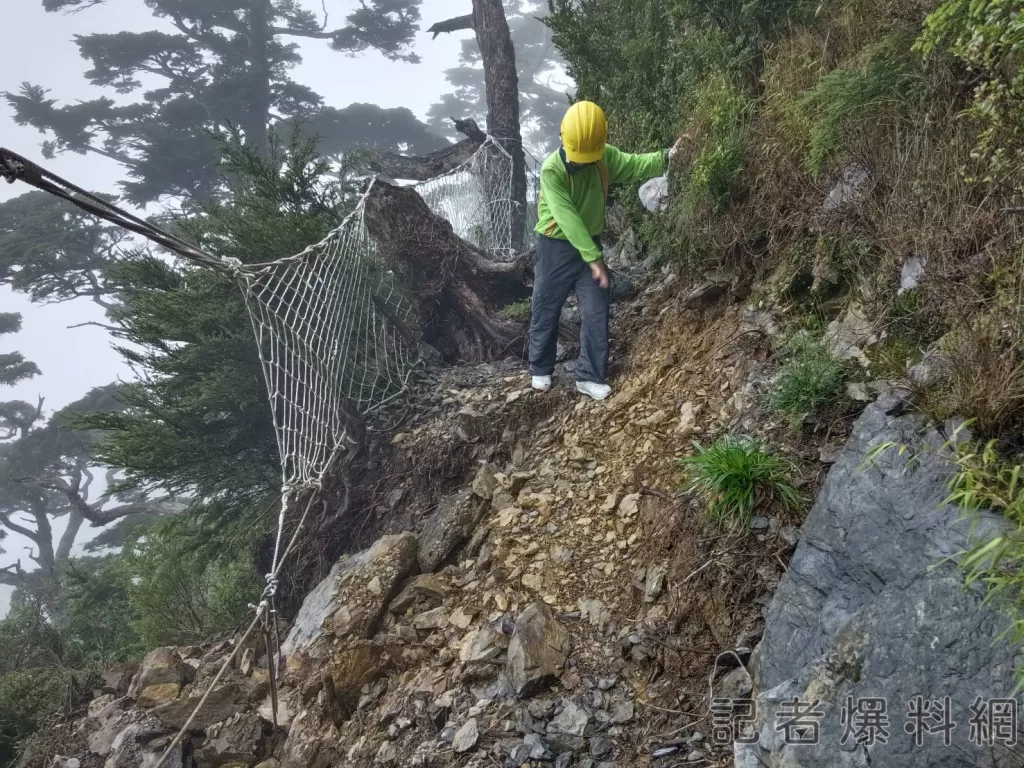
point(584, 133)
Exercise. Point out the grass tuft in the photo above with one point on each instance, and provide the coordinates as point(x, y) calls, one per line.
point(738, 474)
point(813, 377)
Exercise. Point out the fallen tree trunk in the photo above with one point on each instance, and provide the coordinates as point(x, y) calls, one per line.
point(424, 167)
point(459, 289)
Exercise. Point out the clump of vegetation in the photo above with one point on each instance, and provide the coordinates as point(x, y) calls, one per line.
point(28, 699)
point(885, 76)
point(812, 378)
point(988, 37)
point(720, 116)
point(517, 310)
point(983, 381)
point(737, 475)
point(185, 591)
point(984, 481)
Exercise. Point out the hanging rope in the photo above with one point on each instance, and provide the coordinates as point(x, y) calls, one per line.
point(261, 612)
point(14, 167)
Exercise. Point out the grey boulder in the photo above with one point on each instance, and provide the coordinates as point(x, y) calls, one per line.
point(871, 608)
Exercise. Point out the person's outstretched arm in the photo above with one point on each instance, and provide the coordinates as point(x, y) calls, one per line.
point(624, 167)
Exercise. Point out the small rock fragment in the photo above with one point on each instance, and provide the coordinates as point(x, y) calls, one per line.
point(466, 737)
point(534, 581)
point(479, 645)
point(435, 619)
point(600, 746)
point(538, 650)
point(629, 505)
point(655, 581)
point(387, 754)
point(485, 483)
point(622, 712)
point(594, 611)
point(735, 685)
point(461, 617)
point(572, 720)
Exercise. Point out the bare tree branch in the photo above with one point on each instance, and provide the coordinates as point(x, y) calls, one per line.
point(423, 167)
point(101, 517)
point(12, 575)
point(316, 34)
point(93, 322)
point(89, 478)
point(44, 540)
point(452, 25)
point(67, 540)
point(6, 522)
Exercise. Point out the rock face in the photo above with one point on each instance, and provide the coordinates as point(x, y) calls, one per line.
point(223, 702)
point(538, 651)
point(164, 665)
point(355, 594)
point(450, 526)
point(237, 740)
point(868, 609)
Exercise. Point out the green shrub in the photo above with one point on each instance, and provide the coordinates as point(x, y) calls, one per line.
point(811, 378)
point(736, 475)
point(721, 114)
point(97, 619)
point(988, 36)
point(185, 591)
point(28, 698)
point(847, 97)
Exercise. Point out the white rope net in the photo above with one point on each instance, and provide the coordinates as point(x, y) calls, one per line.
point(335, 326)
point(477, 199)
point(328, 323)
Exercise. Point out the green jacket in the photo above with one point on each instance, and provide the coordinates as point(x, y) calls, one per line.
point(572, 207)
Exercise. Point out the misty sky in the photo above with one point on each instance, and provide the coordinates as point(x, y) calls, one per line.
point(43, 52)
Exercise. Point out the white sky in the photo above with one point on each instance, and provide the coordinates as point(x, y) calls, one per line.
point(43, 52)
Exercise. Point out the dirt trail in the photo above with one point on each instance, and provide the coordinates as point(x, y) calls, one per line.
point(571, 605)
point(585, 514)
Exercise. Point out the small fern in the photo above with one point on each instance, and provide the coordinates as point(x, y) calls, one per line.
point(846, 97)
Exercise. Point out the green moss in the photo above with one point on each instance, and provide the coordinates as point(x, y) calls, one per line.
point(518, 310)
point(892, 358)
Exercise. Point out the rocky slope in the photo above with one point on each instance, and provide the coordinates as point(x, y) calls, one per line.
point(564, 605)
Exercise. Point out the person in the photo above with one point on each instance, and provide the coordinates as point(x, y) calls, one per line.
point(574, 183)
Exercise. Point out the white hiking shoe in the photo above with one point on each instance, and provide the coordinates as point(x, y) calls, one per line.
point(541, 383)
point(593, 390)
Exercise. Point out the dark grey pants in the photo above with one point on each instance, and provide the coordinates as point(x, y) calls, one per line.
point(559, 270)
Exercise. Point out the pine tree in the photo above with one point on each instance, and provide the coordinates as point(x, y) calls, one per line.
point(225, 64)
